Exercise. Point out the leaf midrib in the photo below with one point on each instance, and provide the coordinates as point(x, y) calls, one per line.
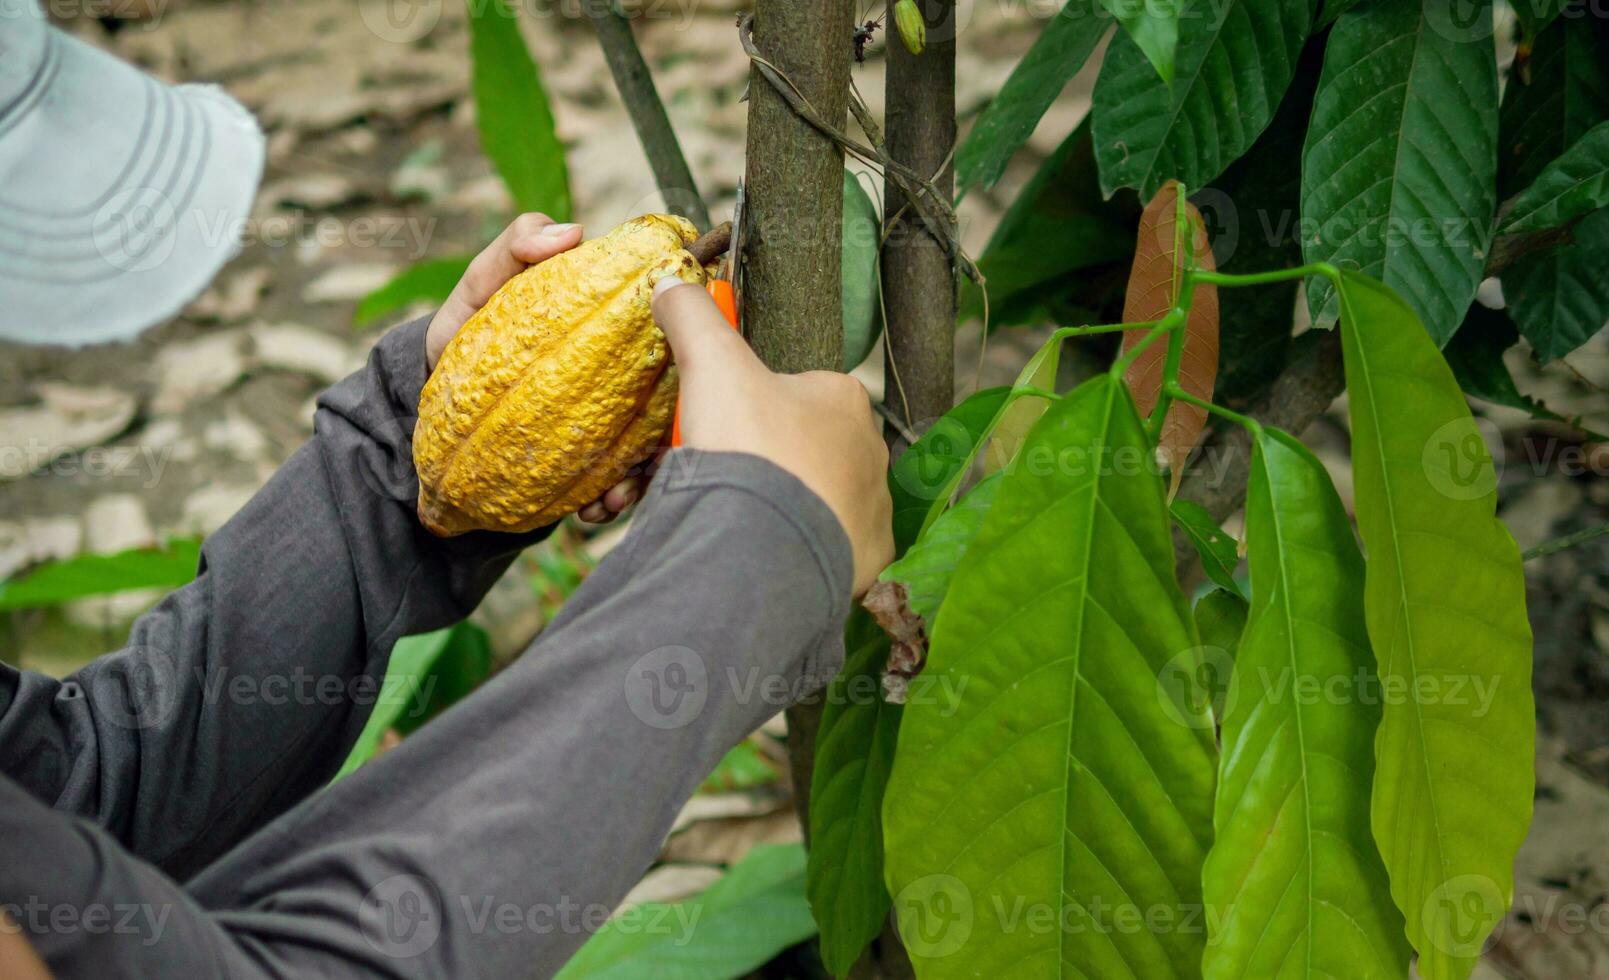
point(1062, 830)
point(1400, 618)
point(1296, 709)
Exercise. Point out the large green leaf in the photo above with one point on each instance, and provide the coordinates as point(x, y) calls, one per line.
point(1562, 94)
point(1559, 297)
point(1055, 231)
point(923, 473)
point(1333, 9)
point(1153, 27)
point(755, 911)
point(512, 112)
point(1397, 174)
point(1064, 786)
point(1475, 355)
point(426, 673)
point(854, 752)
point(431, 281)
point(1293, 871)
point(1056, 56)
point(927, 567)
point(1220, 619)
point(1536, 15)
point(1220, 552)
point(1445, 605)
point(168, 567)
point(1235, 59)
point(862, 303)
point(1569, 187)
point(1252, 216)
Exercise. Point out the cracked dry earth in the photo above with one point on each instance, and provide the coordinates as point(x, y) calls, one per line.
point(374, 164)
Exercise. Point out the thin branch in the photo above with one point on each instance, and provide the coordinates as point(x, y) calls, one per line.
point(647, 110)
point(1300, 394)
point(1568, 541)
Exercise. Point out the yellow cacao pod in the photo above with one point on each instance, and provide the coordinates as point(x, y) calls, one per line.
point(555, 388)
point(912, 28)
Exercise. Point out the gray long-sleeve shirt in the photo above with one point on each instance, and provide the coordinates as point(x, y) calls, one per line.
point(165, 788)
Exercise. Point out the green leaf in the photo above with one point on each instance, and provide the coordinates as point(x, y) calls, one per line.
point(1153, 27)
point(1536, 15)
point(863, 236)
point(1332, 10)
point(923, 474)
point(430, 281)
point(744, 767)
point(1397, 174)
point(1062, 786)
point(1444, 599)
point(854, 751)
point(1055, 231)
point(755, 911)
point(1252, 216)
point(1563, 93)
point(1056, 56)
point(1019, 414)
point(1560, 297)
point(1475, 355)
point(1556, 297)
point(1219, 551)
point(426, 673)
point(1296, 877)
point(1220, 619)
point(927, 567)
point(51, 584)
point(1235, 59)
point(1574, 184)
point(512, 112)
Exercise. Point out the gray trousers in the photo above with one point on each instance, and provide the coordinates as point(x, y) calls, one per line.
point(162, 810)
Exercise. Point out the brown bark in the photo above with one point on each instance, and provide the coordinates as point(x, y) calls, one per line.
point(793, 225)
point(636, 86)
point(792, 232)
point(918, 281)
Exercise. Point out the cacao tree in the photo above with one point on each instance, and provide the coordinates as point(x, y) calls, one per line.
point(1078, 760)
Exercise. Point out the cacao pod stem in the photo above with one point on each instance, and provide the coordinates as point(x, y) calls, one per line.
point(712, 244)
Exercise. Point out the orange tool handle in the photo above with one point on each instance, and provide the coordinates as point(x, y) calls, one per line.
point(726, 300)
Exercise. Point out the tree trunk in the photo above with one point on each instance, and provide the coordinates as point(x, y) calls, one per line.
point(918, 282)
point(793, 227)
point(918, 285)
point(648, 116)
point(792, 245)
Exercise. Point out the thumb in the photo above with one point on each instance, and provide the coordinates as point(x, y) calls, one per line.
point(703, 342)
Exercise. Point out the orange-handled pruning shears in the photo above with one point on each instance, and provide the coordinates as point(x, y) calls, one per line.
point(724, 290)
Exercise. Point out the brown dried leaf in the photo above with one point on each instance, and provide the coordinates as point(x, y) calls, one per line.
point(889, 604)
point(1153, 289)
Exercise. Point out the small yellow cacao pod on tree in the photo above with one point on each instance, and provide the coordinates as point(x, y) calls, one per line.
point(555, 388)
point(912, 28)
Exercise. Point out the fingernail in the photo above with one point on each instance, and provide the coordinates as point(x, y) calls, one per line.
point(668, 282)
point(556, 231)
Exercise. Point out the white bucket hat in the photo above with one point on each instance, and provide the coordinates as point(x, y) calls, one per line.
point(120, 196)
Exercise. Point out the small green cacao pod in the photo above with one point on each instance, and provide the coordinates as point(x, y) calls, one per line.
point(912, 28)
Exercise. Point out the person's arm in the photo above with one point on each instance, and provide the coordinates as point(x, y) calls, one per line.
point(547, 792)
point(242, 692)
point(491, 842)
point(239, 694)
